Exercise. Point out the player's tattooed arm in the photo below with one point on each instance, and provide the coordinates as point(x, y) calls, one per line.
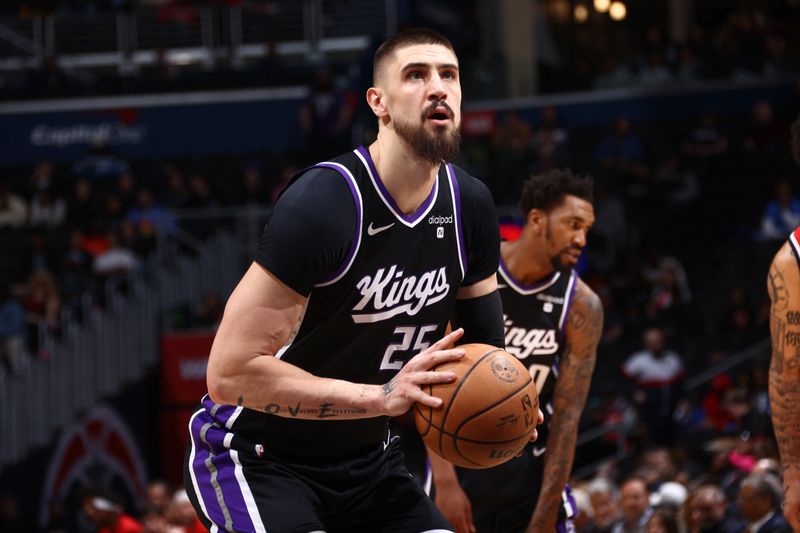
point(783, 286)
point(576, 365)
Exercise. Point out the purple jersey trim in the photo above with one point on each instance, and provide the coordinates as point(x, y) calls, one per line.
point(527, 289)
point(456, 194)
point(568, 302)
point(354, 245)
point(409, 220)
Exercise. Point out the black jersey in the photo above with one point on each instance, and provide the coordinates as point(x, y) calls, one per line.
point(535, 318)
point(389, 296)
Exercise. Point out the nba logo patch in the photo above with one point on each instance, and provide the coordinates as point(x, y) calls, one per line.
point(440, 232)
point(259, 450)
point(548, 307)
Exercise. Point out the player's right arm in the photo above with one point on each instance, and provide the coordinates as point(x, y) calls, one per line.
point(307, 238)
point(783, 285)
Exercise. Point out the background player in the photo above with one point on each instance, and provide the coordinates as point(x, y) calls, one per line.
point(553, 323)
point(783, 285)
point(359, 269)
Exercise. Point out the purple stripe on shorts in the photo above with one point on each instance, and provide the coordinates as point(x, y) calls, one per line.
point(457, 193)
point(206, 492)
point(232, 492)
point(357, 236)
point(220, 412)
point(414, 217)
point(216, 476)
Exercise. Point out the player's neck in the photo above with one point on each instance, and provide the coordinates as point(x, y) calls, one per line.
point(407, 178)
point(525, 261)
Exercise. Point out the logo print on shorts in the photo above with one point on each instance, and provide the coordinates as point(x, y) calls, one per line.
point(503, 369)
point(260, 450)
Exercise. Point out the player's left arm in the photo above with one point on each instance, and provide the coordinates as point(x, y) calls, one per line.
point(576, 364)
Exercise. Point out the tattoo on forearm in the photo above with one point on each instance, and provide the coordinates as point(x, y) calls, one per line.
point(389, 387)
point(324, 410)
point(777, 290)
point(784, 376)
point(577, 364)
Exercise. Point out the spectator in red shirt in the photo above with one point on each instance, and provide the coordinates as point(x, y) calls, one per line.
point(106, 512)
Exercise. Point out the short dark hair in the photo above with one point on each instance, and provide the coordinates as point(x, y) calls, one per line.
point(547, 190)
point(408, 37)
point(796, 140)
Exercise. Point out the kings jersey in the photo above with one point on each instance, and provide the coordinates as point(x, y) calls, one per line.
point(389, 299)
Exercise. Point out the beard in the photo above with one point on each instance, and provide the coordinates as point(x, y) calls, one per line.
point(555, 260)
point(441, 143)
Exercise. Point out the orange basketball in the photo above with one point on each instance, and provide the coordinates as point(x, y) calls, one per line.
point(488, 414)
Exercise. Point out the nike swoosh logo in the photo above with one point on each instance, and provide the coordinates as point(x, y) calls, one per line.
point(374, 231)
point(538, 451)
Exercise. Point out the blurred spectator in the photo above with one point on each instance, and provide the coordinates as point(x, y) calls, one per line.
point(550, 143)
point(512, 156)
point(105, 512)
point(200, 194)
point(181, 514)
point(707, 511)
point(781, 214)
point(159, 495)
point(12, 333)
point(13, 212)
point(286, 174)
point(656, 467)
point(620, 157)
point(759, 502)
point(115, 260)
point(76, 268)
point(209, 312)
point(766, 135)
point(42, 177)
point(126, 190)
point(325, 117)
point(670, 495)
point(604, 497)
point(174, 194)
point(154, 520)
point(706, 140)
point(767, 466)
point(147, 209)
point(663, 520)
point(657, 375)
point(254, 188)
point(613, 74)
point(654, 73)
point(83, 206)
point(47, 209)
point(11, 520)
point(42, 304)
point(634, 501)
point(100, 164)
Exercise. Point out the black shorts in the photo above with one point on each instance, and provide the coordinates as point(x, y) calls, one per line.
point(504, 497)
point(249, 490)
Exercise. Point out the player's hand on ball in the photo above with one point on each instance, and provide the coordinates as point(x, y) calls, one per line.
point(405, 388)
point(539, 420)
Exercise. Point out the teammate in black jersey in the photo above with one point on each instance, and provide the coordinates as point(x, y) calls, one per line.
point(553, 323)
point(337, 324)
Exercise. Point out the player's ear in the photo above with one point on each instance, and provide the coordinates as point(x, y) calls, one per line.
point(375, 100)
point(535, 219)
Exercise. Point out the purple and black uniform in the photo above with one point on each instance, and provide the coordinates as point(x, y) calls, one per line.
point(503, 498)
point(381, 286)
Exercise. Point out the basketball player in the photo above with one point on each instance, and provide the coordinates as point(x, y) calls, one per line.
point(337, 324)
point(553, 322)
point(783, 285)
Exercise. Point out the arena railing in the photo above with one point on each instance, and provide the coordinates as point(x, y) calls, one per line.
point(95, 357)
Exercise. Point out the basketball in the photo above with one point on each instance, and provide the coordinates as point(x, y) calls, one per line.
point(488, 413)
